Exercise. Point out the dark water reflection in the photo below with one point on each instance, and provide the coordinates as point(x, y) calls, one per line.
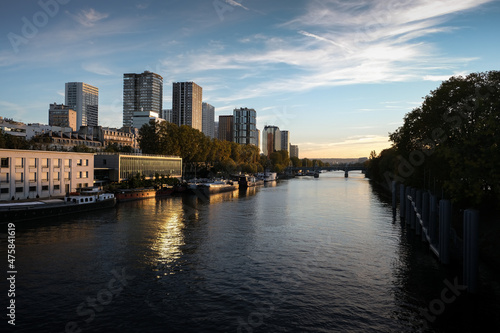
point(307, 255)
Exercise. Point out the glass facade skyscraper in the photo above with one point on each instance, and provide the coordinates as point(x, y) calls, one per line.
point(208, 121)
point(141, 92)
point(84, 99)
point(271, 140)
point(245, 126)
point(187, 104)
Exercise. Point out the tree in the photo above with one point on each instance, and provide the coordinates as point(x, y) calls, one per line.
point(451, 139)
point(296, 162)
point(149, 139)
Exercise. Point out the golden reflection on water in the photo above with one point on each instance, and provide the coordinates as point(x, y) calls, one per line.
point(170, 217)
point(170, 235)
point(224, 196)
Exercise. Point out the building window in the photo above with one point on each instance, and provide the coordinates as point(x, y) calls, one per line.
point(67, 175)
point(56, 175)
point(45, 176)
point(32, 177)
point(4, 162)
point(4, 190)
point(79, 162)
point(32, 188)
point(56, 187)
point(4, 177)
point(67, 163)
point(19, 189)
point(45, 162)
point(45, 187)
point(20, 177)
point(19, 162)
point(32, 163)
point(56, 163)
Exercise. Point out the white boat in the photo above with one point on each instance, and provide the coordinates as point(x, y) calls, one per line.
point(267, 176)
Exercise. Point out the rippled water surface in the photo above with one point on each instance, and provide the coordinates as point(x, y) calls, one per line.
point(304, 255)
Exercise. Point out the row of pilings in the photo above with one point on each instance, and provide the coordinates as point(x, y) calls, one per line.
point(430, 217)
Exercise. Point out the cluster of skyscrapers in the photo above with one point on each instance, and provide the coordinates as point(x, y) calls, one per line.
point(81, 107)
point(143, 102)
point(275, 140)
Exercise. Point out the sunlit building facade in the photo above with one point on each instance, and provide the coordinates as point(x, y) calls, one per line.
point(141, 93)
point(43, 174)
point(187, 104)
point(84, 99)
point(119, 167)
point(271, 140)
point(63, 116)
point(208, 122)
point(285, 141)
point(245, 126)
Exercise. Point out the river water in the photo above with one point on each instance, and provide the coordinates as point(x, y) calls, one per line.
point(302, 255)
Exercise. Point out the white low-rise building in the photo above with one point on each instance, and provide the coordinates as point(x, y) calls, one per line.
point(43, 174)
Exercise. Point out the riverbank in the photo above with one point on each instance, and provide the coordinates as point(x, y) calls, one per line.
point(488, 235)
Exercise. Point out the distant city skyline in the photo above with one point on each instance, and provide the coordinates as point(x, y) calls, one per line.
point(339, 75)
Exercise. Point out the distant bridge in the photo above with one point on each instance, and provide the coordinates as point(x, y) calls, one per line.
point(353, 167)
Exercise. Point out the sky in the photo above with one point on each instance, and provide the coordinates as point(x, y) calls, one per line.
point(339, 75)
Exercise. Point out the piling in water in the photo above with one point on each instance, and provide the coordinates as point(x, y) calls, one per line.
point(425, 216)
point(444, 230)
point(402, 201)
point(471, 249)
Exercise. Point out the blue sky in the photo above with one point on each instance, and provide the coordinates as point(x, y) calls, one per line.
point(339, 75)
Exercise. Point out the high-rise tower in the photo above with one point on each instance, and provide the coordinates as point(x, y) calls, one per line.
point(271, 140)
point(208, 122)
point(245, 126)
point(84, 99)
point(141, 93)
point(187, 104)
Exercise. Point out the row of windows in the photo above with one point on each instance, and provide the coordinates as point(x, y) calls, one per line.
point(33, 177)
point(20, 189)
point(33, 162)
point(78, 142)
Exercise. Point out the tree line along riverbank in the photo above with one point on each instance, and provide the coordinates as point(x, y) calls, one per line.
point(450, 147)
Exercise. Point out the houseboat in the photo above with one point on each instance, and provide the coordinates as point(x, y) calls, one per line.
point(245, 181)
point(38, 209)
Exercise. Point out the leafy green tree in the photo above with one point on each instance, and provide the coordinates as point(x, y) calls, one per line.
point(451, 139)
point(296, 162)
point(149, 139)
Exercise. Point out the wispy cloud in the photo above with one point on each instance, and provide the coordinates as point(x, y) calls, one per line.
point(89, 17)
point(342, 43)
point(236, 4)
point(97, 68)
